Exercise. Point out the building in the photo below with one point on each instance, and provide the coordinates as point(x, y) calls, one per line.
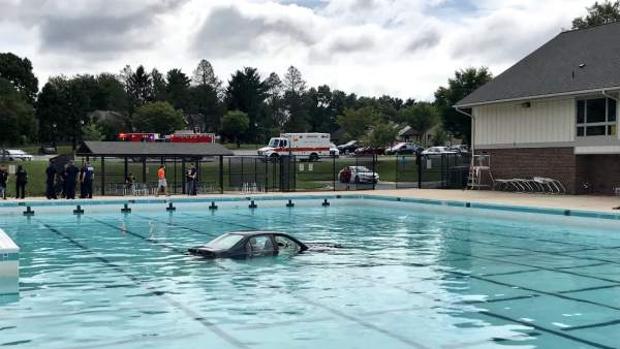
point(555, 113)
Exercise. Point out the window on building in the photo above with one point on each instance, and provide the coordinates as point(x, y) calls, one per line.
point(596, 117)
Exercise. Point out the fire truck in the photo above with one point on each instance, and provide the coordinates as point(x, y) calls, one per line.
point(177, 137)
point(138, 137)
point(191, 137)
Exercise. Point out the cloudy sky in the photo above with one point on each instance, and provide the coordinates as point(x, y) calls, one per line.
point(405, 48)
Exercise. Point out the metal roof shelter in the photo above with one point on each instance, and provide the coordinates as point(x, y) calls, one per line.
point(152, 149)
point(574, 62)
point(141, 151)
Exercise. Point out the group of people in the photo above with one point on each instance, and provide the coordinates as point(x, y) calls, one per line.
point(21, 179)
point(63, 183)
point(191, 180)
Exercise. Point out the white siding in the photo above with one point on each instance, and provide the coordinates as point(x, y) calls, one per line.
point(550, 121)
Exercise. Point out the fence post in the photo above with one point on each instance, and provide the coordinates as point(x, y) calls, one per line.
point(334, 171)
point(102, 176)
point(221, 174)
point(396, 171)
point(266, 180)
point(419, 160)
point(374, 170)
point(183, 176)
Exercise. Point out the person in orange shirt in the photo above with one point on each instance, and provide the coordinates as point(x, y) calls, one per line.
point(162, 184)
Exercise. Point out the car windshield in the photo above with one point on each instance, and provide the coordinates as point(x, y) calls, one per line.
point(360, 168)
point(224, 242)
point(274, 142)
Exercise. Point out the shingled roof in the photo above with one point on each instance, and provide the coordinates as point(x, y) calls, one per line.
point(574, 62)
point(153, 149)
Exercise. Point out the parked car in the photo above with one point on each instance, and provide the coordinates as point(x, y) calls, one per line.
point(349, 147)
point(357, 174)
point(48, 149)
point(403, 148)
point(15, 154)
point(439, 151)
point(370, 151)
point(461, 148)
point(333, 150)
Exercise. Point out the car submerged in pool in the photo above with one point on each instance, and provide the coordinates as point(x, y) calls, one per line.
point(250, 244)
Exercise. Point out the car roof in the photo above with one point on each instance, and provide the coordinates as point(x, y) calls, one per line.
point(255, 232)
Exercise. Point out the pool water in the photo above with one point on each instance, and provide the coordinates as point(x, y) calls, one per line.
point(406, 277)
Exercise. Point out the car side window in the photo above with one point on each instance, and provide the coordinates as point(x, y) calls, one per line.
point(286, 245)
point(259, 245)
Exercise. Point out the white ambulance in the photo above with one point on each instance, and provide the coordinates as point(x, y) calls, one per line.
point(311, 146)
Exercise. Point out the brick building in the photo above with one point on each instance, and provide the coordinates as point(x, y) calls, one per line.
point(555, 113)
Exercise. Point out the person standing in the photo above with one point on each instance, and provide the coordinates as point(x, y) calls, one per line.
point(88, 176)
point(50, 177)
point(21, 179)
point(130, 182)
point(191, 179)
point(4, 177)
point(71, 179)
point(162, 183)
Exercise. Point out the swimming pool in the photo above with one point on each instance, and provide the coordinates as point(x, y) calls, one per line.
point(408, 276)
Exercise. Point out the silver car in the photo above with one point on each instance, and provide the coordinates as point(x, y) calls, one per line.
point(15, 154)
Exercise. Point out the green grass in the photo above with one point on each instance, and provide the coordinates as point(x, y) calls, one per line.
point(314, 176)
point(34, 149)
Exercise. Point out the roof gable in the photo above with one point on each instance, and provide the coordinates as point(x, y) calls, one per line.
point(572, 62)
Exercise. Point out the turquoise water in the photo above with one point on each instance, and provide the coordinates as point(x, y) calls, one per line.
point(406, 278)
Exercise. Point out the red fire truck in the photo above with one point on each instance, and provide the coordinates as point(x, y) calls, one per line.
point(138, 137)
point(191, 137)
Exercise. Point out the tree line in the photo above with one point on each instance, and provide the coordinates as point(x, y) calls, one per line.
point(248, 108)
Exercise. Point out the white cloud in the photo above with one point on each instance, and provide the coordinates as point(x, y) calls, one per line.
point(371, 47)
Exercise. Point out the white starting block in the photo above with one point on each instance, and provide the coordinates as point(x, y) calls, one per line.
point(9, 265)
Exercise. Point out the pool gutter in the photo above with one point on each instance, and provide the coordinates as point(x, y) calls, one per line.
point(9, 265)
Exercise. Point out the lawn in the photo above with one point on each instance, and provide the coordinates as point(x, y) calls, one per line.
point(309, 175)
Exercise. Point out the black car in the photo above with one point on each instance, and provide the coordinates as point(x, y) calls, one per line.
point(348, 147)
point(249, 244)
point(48, 149)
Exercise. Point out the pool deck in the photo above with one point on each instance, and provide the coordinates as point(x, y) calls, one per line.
point(570, 202)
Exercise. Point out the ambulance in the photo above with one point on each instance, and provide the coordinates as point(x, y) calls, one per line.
point(311, 146)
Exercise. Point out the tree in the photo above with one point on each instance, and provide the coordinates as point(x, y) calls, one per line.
point(599, 14)
point(204, 102)
point(421, 117)
point(381, 135)
point(92, 132)
point(293, 81)
point(321, 114)
point(159, 87)
point(247, 93)
point(139, 87)
point(295, 101)
point(357, 122)
point(17, 121)
point(177, 89)
point(205, 76)
point(464, 82)
point(234, 124)
point(18, 72)
point(158, 117)
point(110, 94)
point(275, 105)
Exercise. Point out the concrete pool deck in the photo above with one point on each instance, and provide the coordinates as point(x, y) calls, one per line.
point(570, 202)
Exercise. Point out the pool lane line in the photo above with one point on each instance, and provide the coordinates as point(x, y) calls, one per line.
point(583, 247)
point(510, 272)
point(547, 330)
point(595, 288)
point(600, 324)
point(524, 264)
point(129, 232)
point(189, 312)
point(363, 323)
point(209, 219)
